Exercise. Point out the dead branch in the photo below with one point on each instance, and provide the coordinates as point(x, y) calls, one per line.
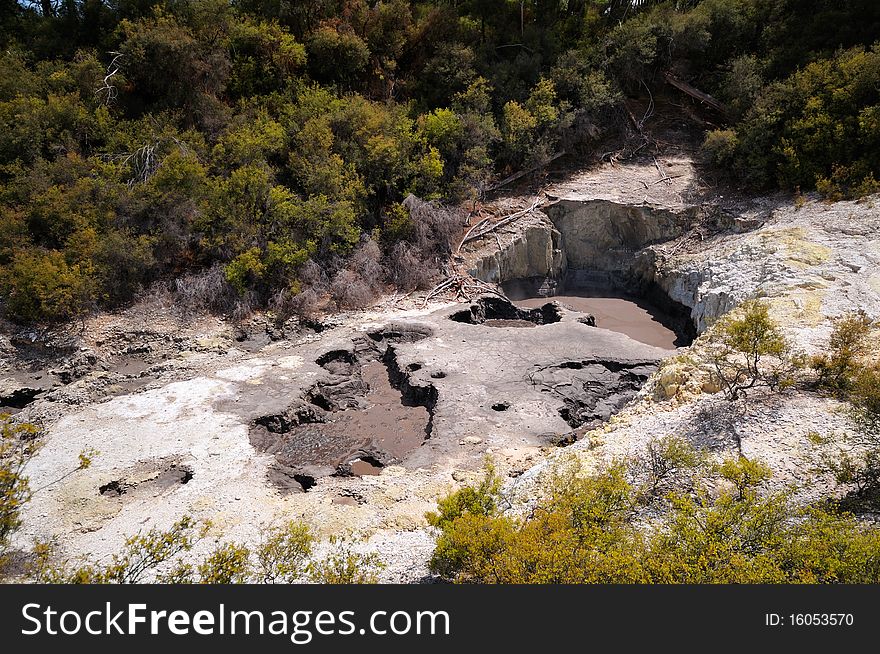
point(632, 117)
point(107, 89)
point(650, 110)
point(143, 163)
point(512, 178)
point(663, 176)
point(665, 179)
point(461, 287)
point(695, 93)
point(504, 221)
point(469, 232)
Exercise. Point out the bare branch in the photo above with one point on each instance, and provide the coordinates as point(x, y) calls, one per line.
point(108, 91)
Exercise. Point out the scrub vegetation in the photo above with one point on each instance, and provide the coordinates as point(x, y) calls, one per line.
point(263, 153)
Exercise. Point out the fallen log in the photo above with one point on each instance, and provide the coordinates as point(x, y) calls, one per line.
point(695, 93)
point(515, 176)
point(469, 232)
point(504, 221)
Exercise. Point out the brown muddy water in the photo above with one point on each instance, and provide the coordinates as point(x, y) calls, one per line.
point(392, 426)
point(378, 421)
point(638, 320)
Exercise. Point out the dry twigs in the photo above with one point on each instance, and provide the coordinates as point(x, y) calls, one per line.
point(481, 230)
point(460, 287)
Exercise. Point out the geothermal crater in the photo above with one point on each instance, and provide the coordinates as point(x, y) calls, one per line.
point(411, 393)
point(588, 320)
point(598, 256)
point(365, 415)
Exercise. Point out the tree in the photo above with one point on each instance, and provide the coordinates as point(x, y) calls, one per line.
point(747, 349)
point(337, 55)
point(172, 68)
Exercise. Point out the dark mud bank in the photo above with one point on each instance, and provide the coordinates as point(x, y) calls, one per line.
point(366, 414)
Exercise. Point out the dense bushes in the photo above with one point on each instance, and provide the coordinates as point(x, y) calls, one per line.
point(719, 527)
point(147, 141)
point(819, 127)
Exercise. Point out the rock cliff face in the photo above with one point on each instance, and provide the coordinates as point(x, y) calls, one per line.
point(812, 263)
point(533, 252)
point(695, 288)
point(605, 236)
point(594, 242)
point(595, 236)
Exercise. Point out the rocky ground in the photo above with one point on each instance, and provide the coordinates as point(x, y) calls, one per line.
point(193, 434)
point(192, 416)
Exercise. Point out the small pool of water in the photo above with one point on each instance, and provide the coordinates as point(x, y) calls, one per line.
point(637, 319)
point(382, 423)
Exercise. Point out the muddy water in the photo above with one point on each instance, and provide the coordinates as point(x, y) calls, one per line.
point(390, 426)
point(383, 424)
point(360, 468)
point(637, 320)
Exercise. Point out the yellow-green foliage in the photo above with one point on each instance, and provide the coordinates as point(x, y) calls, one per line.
point(841, 364)
point(721, 146)
point(590, 530)
point(865, 398)
point(818, 127)
point(746, 348)
point(41, 286)
point(17, 445)
point(479, 500)
point(227, 564)
point(669, 463)
point(849, 368)
point(284, 552)
point(284, 555)
point(139, 556)
point(344, 565)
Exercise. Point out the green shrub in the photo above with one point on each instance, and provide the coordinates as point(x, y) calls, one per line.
point(245, 270)
point(721, 146)
point(747, 349)
point(838, 368)
point(865, 399)
point(589, 531)
point(818, 127)
point(344, 565)
point(18, 444)
point(41, 287)
point(335, 55)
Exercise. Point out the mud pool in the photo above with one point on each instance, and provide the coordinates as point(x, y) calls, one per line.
point(635, 317)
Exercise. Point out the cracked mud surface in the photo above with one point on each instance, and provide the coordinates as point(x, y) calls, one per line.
point(374, 419)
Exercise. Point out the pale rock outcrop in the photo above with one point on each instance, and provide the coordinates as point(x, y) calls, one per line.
point(534, 251)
